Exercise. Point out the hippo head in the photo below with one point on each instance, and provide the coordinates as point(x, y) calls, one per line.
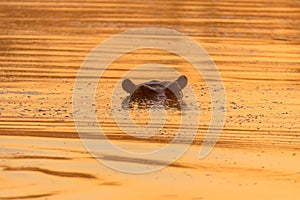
point(155, 92)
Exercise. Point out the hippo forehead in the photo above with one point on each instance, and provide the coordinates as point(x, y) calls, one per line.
point(157, 84)
point(150, 88)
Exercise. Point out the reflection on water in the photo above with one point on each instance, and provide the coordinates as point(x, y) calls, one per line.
point(254, 44)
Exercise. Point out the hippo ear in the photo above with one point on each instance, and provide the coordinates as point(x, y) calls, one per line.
point(180, 83)
point(128, 86)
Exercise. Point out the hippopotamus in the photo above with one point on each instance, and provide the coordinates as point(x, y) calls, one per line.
point(166, 93)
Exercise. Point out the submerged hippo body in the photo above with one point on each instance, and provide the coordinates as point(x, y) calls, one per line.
point(155, 92)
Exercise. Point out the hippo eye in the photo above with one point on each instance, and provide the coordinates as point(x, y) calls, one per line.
point(174, 94)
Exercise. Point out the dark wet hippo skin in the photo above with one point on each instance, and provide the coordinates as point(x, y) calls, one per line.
point(168, 94)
